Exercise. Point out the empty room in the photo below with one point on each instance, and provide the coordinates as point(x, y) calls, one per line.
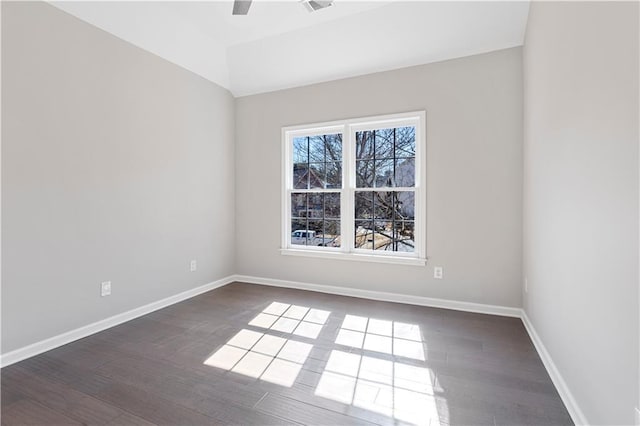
point(316, 212)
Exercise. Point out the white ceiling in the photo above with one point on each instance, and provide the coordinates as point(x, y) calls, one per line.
point(279, 44)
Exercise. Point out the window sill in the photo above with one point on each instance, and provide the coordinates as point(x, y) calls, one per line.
point(355, 256)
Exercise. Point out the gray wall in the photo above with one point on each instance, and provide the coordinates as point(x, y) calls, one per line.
point(581, 198)
point(474, 177)
point(116, 165)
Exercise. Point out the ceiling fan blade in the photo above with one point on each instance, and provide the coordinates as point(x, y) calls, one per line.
point(241, 7)
point(313, 5)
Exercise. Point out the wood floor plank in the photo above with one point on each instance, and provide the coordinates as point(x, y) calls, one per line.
point(62, 398)
point(304, 413)
point(178, 384)
point(9, 394)
point(127, 419)
point(151, 407)
point(54, 369)
point(29, 412)
point(223, 400)
point(497, 397)
point(525, 416)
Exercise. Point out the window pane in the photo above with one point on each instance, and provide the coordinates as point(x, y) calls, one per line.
point(406, 172)
point(334, 174)
point(301, 176)
point(300, 150)
point(332, 206)
point(383, 204)
point(315, 207)
point(364, 145)
point(384, 173)
point(364, 205)
point(298, 205)
point(332, 233)
point(363, 234)
point(298, 231)
point(364, 174)
point(333, 146)
point(406, 205)
point(315, 228)
point(382, 238)
point(316, 175)
point(384, 143)
point(404, 236)
point(316, 149)
point(405, 142)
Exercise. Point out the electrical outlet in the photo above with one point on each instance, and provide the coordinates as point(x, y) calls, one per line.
point(193, 266)
point(437, 272)
point(105, 288)
point(526, 285)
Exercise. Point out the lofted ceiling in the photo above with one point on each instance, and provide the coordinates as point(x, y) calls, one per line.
point(279, 44)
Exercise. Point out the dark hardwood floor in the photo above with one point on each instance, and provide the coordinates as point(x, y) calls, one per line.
point(343, 361)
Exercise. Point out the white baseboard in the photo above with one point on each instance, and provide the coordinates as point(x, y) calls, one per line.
point(575, 412)
point(87, 330)
point(386, 297)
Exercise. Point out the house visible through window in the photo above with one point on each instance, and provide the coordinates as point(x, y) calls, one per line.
point(354, 189)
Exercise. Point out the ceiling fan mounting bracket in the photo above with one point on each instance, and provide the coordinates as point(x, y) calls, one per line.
point(241, 7)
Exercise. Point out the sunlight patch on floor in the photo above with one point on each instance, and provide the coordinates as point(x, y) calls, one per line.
point(262, 356)
point(394, 389)
point(297, 320)
point(389, 337)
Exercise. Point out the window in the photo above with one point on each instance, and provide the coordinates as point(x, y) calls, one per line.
point(354, 189)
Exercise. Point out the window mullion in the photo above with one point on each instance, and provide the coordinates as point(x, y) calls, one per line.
point(348, 182)
point(287, 184)
point(394, 240)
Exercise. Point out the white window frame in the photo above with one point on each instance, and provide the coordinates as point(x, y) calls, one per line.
point(348, 129)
